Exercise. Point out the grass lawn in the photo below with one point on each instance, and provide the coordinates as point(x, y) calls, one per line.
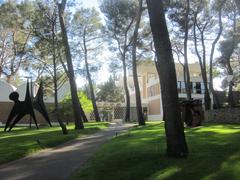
point(22, 141)
point(140, 154)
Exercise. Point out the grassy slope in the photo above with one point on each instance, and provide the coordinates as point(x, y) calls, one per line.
point(214, 154)
point(22, 141)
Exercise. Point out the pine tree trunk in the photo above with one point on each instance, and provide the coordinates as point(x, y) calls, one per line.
point(202, 62)
point(230, 86)
point(228, 59)
point(93, 99)
point(77, 109)
point(140, 116)
point(186, 69)
point(216, 103)
point(230, 95)
point(207, 99)
point(127, 109)
point(62, 125)
point(176, 143)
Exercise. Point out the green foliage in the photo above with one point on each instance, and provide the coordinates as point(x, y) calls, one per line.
point(120, 17)
point(86, 90)
point(140, 154)
point(15, 35)
point(109, 92)
point(23, 141)
point(119, 14)
point(216, 72)
point(229, 46)
point(88, 19)
point(177, 12)
point(66, 104)
point(47, 45)
point(238, 87)
point(86, 26)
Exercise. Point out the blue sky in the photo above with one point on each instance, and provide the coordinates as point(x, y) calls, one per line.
point(103, 73)
point(104, 70)
point(89, 3)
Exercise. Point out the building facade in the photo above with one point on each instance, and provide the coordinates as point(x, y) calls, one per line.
point(151, 90)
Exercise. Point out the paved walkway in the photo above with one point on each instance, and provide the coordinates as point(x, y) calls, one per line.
point(60, 162)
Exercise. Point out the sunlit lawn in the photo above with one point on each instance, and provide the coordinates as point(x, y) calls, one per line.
point(140, 154)
point(22, 141)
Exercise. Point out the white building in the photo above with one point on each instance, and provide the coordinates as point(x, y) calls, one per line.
point(151, 91)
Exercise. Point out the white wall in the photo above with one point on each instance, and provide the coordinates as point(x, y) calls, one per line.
point(22, 90)
point(62, 92)
point(5, 90)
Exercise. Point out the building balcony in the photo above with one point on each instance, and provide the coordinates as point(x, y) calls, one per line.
point(196, 87)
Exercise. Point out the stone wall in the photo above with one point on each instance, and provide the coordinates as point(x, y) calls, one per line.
point(225, 115)
point(223, 99)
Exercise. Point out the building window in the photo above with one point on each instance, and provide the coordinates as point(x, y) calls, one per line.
point(153, 90)
point(179, 86)
point(203, 88)
point(195, 87)
point(183, 87)
point(198, 88)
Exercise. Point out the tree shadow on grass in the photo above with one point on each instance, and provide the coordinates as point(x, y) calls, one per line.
point(24, 141)
point(212, 156)
point(140, 155)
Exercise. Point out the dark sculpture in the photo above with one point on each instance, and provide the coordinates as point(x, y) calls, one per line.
point(22, 108)
point(191, 111)
point(39, 105)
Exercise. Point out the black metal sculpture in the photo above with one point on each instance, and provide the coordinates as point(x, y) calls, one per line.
point(39, 105)
point(22, 108)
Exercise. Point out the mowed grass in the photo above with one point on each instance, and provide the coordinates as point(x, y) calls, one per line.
point(140, 154)
point(22, 141)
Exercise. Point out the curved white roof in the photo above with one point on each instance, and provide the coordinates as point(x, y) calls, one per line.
point(22, 90)
point(5, 90)
point(62, 92)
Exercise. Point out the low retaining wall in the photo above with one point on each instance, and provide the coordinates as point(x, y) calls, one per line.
point(226, 115)
point(5, 108)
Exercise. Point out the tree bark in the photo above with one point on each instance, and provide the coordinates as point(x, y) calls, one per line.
point(176, 143)
point(62, 125)
point(228, 59)
point(207, 99)
point(230, 72)
point(127, 109)
point(216, 103)
point(93, 99)
point(186, 69)
point(230, 95)
point(75, 101)
point(141, 120)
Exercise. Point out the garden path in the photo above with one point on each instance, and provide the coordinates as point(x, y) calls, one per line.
point(59, 162)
